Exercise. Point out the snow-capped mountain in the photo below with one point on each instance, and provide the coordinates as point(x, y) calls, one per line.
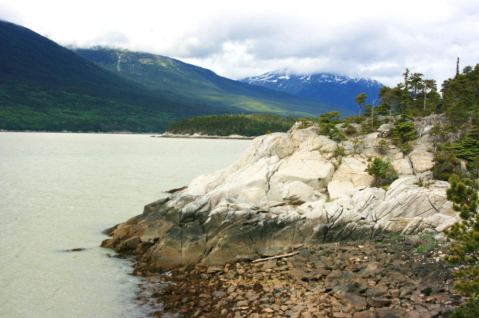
point(331, 88)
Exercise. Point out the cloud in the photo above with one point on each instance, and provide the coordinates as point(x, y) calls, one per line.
point(247, 38)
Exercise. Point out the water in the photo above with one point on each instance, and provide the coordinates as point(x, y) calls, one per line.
point(60, 191)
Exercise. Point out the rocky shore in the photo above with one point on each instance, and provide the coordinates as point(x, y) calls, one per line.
point(301, 192)
point(387, 278)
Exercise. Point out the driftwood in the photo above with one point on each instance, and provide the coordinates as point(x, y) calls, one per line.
point(274, 257)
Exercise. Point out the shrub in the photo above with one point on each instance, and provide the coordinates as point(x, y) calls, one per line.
point(350, 130)
point(339, 152)
point(403, 131)
point(382, 146)
point(445, 164)
point(330, 130)
point(383, 172)
point(327, 126)
point(357, 143)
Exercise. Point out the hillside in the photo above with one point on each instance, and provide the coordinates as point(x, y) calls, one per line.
point(330, 88)
point(164, 74)
point(44, 86)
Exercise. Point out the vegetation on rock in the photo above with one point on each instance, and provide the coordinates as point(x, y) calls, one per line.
point(382, 171)
point(327, 125)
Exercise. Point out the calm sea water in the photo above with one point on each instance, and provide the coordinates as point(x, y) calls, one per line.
point(60, 191)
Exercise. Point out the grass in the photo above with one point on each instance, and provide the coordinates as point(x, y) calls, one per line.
point(423, 248)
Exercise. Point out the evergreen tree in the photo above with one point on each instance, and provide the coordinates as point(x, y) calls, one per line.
point(361, 100)
point(464, 249)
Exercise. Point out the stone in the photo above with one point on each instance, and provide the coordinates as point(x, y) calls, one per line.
point(308, 167)
point(384, 130)
point(421, 160)
point(402, 166)
point(129, 244)
point(353, 170)
point(379, 291)
point(219, 294)
point(297, 191)
point(337, 188)
point(379, 302)
point(269, 264)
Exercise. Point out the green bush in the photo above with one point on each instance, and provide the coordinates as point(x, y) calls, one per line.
point(382, 146)
point(445, 164)
point(350, 130)
point(403, 131)
point(383, 172)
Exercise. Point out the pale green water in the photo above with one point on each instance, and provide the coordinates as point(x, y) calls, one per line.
point(60, 191)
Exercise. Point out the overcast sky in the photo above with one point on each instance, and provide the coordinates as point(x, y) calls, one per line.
point(376, 39)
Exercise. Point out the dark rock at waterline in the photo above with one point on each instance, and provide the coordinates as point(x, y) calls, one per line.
point(78, 249)
point(177, 190)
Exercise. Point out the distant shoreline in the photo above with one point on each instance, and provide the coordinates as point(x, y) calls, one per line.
point(233, 137)
point(76, 132)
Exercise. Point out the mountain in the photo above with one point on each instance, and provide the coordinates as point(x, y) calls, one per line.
point(330, 88)
point(44, 86)
point(164, 74)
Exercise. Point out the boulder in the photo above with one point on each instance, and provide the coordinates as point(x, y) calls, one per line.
point(337, 188)
point(402, 166)
point(421, 160)
point(308, 167)
point(297, 191)
point(384, 130)
point(352, 169)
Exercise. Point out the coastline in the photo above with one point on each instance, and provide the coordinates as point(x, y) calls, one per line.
point(153, 135)
point(198, 136)
point(76, 132)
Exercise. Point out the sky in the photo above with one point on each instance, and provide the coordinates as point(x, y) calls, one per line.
point(237, 39)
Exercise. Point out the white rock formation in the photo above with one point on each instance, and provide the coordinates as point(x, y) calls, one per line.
point(286, 189)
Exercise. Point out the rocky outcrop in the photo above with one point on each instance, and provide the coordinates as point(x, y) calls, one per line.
point(285, 190)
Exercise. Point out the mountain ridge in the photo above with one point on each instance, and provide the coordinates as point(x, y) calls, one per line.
point(332, 88)
point(165, 73)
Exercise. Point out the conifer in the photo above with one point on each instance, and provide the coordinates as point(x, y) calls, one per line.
point(465, 235)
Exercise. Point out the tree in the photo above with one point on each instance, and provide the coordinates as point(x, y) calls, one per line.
point(361, 100)
point(416, 83)
point(331, 117)
point(464, 249)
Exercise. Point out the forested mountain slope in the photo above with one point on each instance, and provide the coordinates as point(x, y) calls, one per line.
point(164, 74)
